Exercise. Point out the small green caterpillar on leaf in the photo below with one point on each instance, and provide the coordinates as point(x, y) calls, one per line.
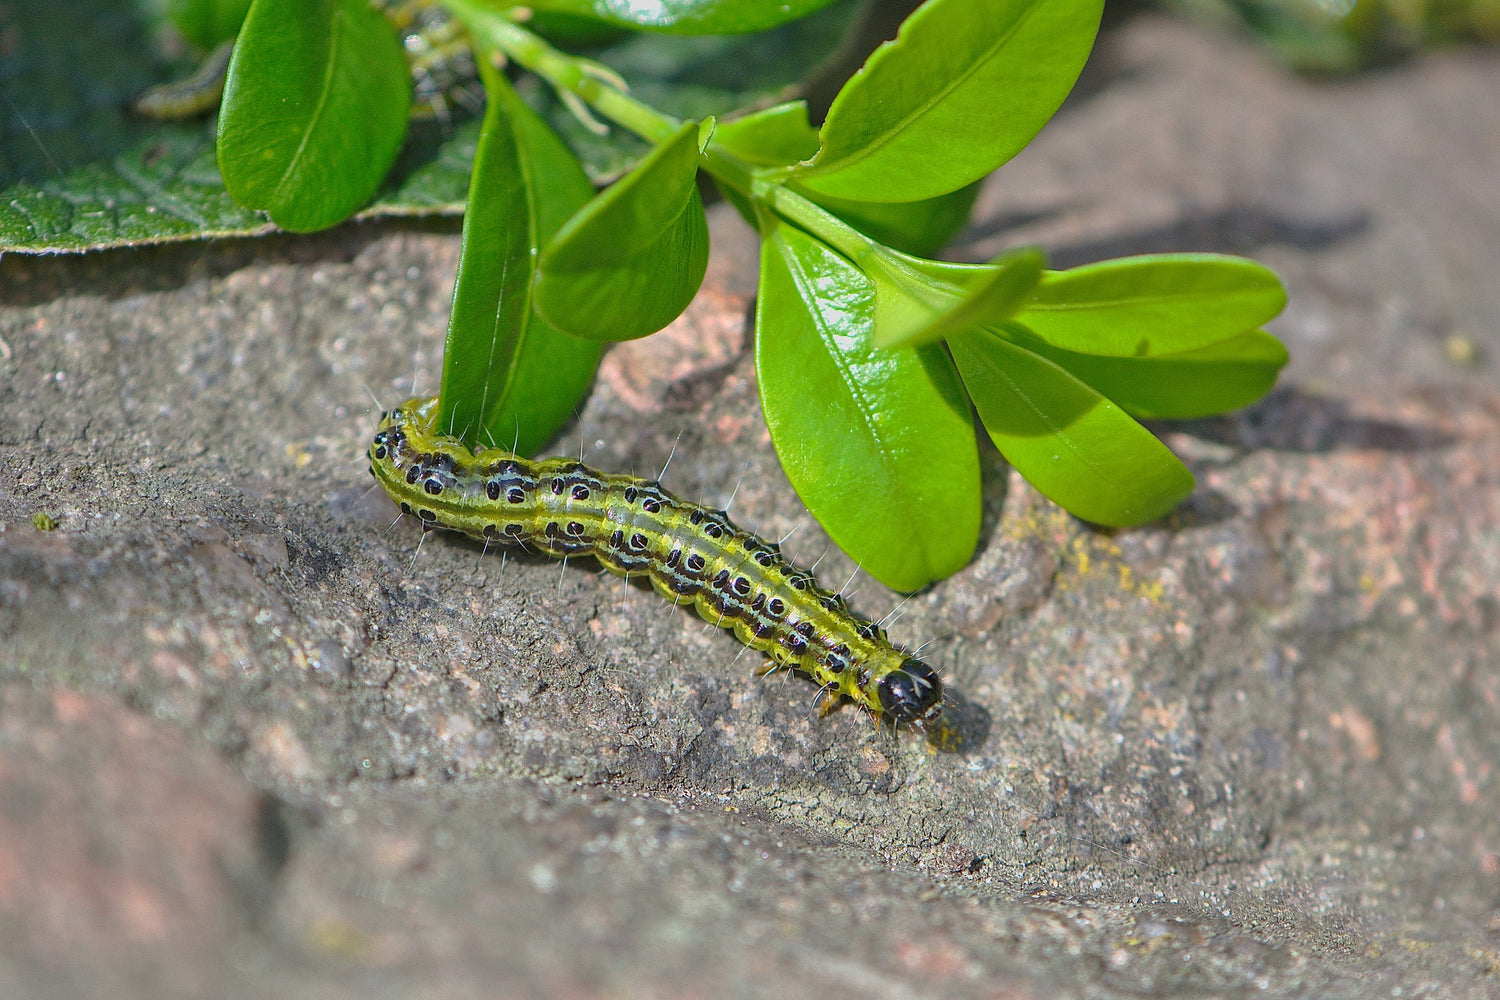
point(690, 554)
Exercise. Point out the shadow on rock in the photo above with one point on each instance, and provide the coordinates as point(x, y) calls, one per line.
point(1295, 421)
point(1236, 229)
point(963, 727)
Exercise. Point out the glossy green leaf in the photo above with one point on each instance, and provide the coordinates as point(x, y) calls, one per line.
point(773, 136)
point(993, 297)
point(206, 23)
point(1153, 305)
point(921, 228)
point(976, 79)
point(509, 378)
point(1197, 382)
point(689, 17)
point(631, 260)
point(697, 77)
point(879, 444)
point(315, 108)
point(1075, 446)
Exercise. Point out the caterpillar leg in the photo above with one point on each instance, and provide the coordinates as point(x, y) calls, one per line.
point(828, 701)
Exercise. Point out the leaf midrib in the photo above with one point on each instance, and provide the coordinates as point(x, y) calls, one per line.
point(334, 40)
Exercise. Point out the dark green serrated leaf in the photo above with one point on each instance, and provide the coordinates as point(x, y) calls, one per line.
point(315, 108)
point(689, 17)
point(974, 78)
point(1153, 305)
point(879, 444)
point(1075, 446)
point(1197, 382)
point(167, 189)
point(510, 379)
point(77, 172)
point(632, 259)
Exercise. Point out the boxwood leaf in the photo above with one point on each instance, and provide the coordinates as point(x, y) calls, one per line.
point(774, 136)
point(688, 17)
point(315, 108)
point(976, 79)
point(778, 135)
point(1196, 382)
point(991, 296)
point(632, 259)
point(1071, 443)
point(509, 378)
point(879, 444)
point(1150, 305)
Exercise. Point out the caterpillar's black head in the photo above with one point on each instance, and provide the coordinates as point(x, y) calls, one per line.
point(911, 693)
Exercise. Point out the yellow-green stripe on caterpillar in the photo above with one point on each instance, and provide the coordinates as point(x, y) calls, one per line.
point(690, 553)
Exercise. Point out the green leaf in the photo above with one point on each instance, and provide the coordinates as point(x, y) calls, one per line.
point(987, 300)
point(1075, 446)
point(632, 259)
point(921, 228)
point(206, 23)
point(510, 379)
point(689, 17)
point(1197, 382)
point(79, 173)
point(315, 109)
point(698, 77)
point(879, 444)
point(774, 136)
point(1153, 305)
point(976, 79)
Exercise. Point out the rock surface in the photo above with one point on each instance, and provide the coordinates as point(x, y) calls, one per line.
point(254, 738)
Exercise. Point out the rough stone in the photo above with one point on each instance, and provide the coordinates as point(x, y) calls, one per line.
point(252, 735)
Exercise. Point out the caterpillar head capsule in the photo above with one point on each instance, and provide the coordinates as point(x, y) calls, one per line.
point(912, 693)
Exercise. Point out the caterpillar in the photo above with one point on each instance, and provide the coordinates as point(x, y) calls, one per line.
point(690, 553)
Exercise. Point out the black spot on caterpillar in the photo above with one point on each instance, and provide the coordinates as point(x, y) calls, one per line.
point(690, 554)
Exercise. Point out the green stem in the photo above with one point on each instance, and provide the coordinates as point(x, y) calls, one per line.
point(873, 258)
point(493, 31)
point(729, 170)
point(817, 220)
